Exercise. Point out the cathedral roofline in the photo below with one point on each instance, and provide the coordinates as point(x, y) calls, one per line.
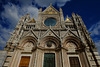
point(32, 21)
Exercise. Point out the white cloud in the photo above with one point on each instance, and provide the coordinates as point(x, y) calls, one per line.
point(33, 11)
point(97, 43)
point(95, 29)
point(13, 13)
point(2, 42)
point(45, 3)
point(62, 2)
point(95, 32)
point(4, 35)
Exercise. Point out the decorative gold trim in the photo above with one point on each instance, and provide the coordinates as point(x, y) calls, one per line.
point(32, 21)
point(67, 19)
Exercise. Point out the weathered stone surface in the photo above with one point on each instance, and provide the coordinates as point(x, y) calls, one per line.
point(3, 55)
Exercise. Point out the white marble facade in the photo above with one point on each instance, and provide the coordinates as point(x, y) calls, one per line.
point(66, 39)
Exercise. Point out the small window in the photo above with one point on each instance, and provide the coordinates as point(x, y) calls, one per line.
point(49, 60)
point(24, 62)
point(74, 62)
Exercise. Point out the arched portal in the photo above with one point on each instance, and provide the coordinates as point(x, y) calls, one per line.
point(75, 53)
point(49, 48)
point(26, 51)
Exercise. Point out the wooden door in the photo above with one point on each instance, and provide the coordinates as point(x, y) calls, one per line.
point(24, 62)
point(74, 62)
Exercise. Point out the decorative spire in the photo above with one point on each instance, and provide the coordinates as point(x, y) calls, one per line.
point(73, 14)
point(28, 14)
point(50, 4)
point(67, 19)
point(40, 10)
point(60, 9)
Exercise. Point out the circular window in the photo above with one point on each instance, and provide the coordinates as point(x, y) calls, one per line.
point(50, 22)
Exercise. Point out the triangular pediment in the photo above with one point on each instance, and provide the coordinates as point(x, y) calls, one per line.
point(49, 32)
point(50, 10)
point(69, 33)
point(30, 33)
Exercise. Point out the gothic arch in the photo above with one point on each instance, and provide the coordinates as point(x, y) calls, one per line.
point(28, 39)
point(55, 40)
point(75, 41)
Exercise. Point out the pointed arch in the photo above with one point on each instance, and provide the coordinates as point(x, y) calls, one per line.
point(55, 40)
point(28, 39)
point(73, 40)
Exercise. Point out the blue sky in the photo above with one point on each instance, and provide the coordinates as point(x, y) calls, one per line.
point(12, 10)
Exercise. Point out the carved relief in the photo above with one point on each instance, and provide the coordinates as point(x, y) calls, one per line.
point(50, 44)
point(50, 11)
point(70, 45)
point(28, 46)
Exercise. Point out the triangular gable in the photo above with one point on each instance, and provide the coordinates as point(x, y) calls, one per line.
point(30, 33)
point(49, 32)
point(69, 33)
point(50, 10)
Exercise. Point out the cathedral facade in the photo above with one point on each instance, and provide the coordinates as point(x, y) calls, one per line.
point(51, 41)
